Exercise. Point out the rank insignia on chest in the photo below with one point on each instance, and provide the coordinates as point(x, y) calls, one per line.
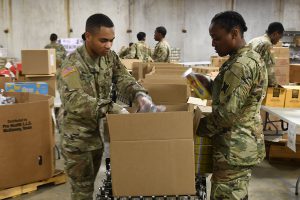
point(67, 71)
point(225, 87)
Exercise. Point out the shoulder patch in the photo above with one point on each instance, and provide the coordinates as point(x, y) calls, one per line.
point(67, 71)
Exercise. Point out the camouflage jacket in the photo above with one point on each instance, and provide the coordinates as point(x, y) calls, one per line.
point(263, 45)
point(162, 52)
point(85, 92)
point(139, 50)
point(61, 52)
point(124, 52)
point(235, 123)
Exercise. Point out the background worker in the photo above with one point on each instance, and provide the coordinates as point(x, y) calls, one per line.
point(162, 49)
point(263, 45)
point(140, 50)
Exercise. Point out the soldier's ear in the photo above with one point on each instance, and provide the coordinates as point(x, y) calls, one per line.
point(88, 36)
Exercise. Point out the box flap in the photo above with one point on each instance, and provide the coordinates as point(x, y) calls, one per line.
point(150, 126)
point(167, 93)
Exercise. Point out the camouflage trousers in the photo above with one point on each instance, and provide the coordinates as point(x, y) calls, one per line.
point(82, 169)
point(230, 183)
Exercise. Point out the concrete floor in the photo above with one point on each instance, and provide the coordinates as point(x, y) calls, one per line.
point(269, 182)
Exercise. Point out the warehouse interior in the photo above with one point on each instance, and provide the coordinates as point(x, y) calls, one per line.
point(149, 121)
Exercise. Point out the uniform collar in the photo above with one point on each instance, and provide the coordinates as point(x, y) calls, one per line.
point(240, 51)
point(91, 63)
point(267, 37)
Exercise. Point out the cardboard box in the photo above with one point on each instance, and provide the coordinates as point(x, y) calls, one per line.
point(282, 62)
point(167, 94)
point(160, 80)
point(279, 44)
point(140, 69)
point(279, 151)
point(281, 52)
point(282, 71)
point(38, 61)
point(26, 140)
point(217, 61)
point(206, 70)
point(152, 153)
point(3, 80)
point(31, 87)
point(294, 73)
point(164, 65)
point(128, 62)
point(292, 97)
point(275, 97)
point(283, 79)
point(177, 72)
point(49, 79)
point(297, 40)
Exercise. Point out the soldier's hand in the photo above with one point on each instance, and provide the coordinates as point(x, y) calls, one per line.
point(146, 104)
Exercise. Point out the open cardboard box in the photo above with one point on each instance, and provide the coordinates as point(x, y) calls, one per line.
point(152, 153)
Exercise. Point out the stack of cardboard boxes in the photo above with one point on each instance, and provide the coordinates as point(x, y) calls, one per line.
point(288, 97)
point(282, 64)
point(40, 66)
point(217, 61)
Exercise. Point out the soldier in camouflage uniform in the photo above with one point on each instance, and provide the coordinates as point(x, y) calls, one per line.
point(61, 52)
point(235, 124)
point(86, 82)
point(263, 45)
point(162, 49)
point(140, 50)
point(125, 50)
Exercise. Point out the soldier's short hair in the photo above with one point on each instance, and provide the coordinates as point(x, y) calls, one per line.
point(275, 27)
point(130, 44)
point(53, 37)
point(94, 22)
point(230, 19)
point(162, 30)
point(141, 36)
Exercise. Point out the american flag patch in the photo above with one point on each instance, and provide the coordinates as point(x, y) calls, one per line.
point(67, 71)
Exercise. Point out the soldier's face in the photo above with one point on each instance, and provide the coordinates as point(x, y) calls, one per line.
point(157, 36)
point(100, 42)
point(222, 40)
point(275, 37)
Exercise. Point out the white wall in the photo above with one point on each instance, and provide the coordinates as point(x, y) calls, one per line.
point(30, 22)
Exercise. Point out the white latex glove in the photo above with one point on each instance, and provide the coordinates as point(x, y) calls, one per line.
point(146, 105)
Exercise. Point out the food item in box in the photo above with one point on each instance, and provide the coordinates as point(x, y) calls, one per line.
point(7, 100)
point(31, 87)
point(200, 83)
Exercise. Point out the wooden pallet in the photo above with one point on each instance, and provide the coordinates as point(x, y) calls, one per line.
point(59, 178)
